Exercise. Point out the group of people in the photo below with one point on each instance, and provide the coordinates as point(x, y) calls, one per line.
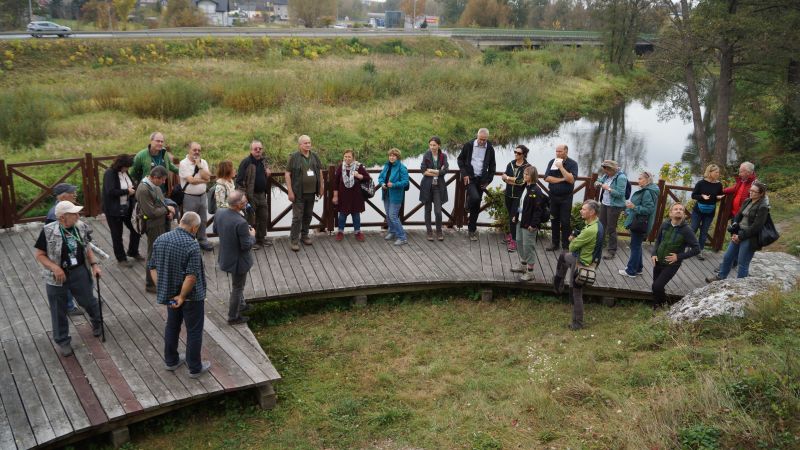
point(135, 196)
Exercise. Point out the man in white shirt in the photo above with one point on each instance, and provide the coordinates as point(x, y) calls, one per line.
point(194, 175)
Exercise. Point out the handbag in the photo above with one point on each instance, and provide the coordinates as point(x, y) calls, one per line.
point(640, 224)
point(585, 275)
point(768, 233)
point(368, 189)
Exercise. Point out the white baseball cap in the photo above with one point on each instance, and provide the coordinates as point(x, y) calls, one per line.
point(66, 206)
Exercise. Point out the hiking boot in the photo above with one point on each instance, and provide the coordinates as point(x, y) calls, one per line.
point(400, 242)
point(65, 349)
point(519, 268)
point(360, 236)
point(558, 285)
point(440, 235)
point(473, 236)
point(181, 360)
point(430, 236)
point(306, 240)
point(203, 369)
point(295, 246)
point(609, 255)
point(701, 256)
point(713, 279)
point(339, 236)
point(512, 246)
point(238, 320)
point(574, 326)
point(389, 236)
point(75, 312)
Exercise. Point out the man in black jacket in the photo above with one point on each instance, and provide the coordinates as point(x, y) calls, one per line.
point(675, 243)
point(253, 179)
point(477, 166)
point(236, 238)
point(561, 174)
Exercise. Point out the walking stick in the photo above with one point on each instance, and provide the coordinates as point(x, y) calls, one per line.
point(100, 307)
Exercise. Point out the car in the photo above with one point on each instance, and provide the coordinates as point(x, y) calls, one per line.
point(41, 28)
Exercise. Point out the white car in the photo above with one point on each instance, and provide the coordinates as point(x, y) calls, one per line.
point(39, 29)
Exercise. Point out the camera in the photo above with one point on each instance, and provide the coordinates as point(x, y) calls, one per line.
point(733, 228)
point(575, 233)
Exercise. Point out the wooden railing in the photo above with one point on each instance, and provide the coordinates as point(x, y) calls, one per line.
point(13, 211)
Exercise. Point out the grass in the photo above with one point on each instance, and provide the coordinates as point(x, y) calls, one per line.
point(442, 370)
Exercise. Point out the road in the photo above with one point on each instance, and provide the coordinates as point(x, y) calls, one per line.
point(239, 32)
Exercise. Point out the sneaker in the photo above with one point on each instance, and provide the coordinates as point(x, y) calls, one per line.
point(65, 349)
point(238, 320)
point(430, 236)
point(519, 268)
point(701, 256)
point(400, 242)
point(558, 285)
point(609, 256)
point(137, 257)
point(295, 246)
point(625, 273)
point(125, 262)
point(389, 236)
point(360, 236)
point(512, 246)
point(75, 312)
point(306, 240)
point(256, 246)
point(713, 279)
point(552, 248)
point(203, 369)
point(150, 289)
point(181, 360)
point(527, 276)
point(506, 238)
point(339, 236)
point(440, 235)
point(473, 236)
point(267, 242)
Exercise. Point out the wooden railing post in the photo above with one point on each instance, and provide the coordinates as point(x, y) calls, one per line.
point(662, 203)
point(721, 227)
point(591, 192)
point(269, 203)
point(459, 212)
point(5, 201)
point(87, 181)
point(328, 208)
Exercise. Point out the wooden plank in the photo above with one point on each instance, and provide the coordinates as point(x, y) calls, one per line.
point(88, 398)
point(305, 269)
point(6, 434)
point(341, 271)
point(424, 252)
point(315, 258)
point(282, 251)
point(381, 274)
point(271, 265)
point(12, 403)
point(261, 268)
point(34, 409)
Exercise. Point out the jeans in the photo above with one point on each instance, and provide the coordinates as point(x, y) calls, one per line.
point(260, 219)
point(609, 217)
point(236, 300)
point(569, 261)
point(393, 219)
point(512, 206)
point(302, 210)
point(474, 198)
point(198, 204)
point(192, 315)
point(560, 212)
point(525, 245)
point(662, 274)
point(356, 221)
point(79, 283)
point(702, 221)
point(742, 253)
point(635, 264)
point(435, 203)
point(115, 225)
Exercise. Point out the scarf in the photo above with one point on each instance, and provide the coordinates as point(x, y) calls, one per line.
point(348, 173)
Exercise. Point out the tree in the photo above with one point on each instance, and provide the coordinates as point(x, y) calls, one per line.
point(311, 12)
point(413, 9)
point(123, 8)
point(13, 14)
point(622, 23)
point(485, 13)
point(351, 8)
point(181, 13)
point(452, 10)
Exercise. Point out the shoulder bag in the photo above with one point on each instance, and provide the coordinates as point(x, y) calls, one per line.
point(640, 223)
point(768, 233)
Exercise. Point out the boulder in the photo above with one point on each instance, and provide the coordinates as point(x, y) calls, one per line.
point(768, 270)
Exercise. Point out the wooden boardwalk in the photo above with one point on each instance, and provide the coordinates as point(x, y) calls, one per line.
point(48, 400)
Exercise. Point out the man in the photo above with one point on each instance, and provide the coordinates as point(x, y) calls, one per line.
point(69, 264)
point(177, 267)
point(303, 181)
point(64, 192)
point(741, 190)
point(154, 155)
point(477, 166)
point(253, 179)
point(155, 212)
point(194, 174)
point(581, 251)
point(561, 174)
point(236, 238)
point(675, 242)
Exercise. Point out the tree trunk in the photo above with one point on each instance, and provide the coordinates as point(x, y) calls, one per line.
point(700, 139)
point(724, 94)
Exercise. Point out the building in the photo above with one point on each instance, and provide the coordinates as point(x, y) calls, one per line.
point(216, 11)
point(281, 9)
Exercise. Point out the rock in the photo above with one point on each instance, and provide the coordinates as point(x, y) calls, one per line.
point(768, 270)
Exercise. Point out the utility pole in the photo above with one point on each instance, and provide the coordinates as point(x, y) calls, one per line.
point(30, 11)
point(414, 19)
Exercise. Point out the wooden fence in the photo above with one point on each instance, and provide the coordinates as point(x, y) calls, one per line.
point(14, 210)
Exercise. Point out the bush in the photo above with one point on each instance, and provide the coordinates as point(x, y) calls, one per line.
point(24, 118)
point(249, 95)
point(173, 99)
point(496, 199)
point(699, 437)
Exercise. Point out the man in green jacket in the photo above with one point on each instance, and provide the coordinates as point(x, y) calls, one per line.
point(154, 155)
point(581, 251)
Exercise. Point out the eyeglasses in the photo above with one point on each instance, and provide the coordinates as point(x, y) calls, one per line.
point(517, 153)
point(755, 191)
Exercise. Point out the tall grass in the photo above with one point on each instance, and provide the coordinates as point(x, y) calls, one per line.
point(248, 95)
point(172, 99)
point(24, 118)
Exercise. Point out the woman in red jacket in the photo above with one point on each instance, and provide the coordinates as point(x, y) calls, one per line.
point(347, 193)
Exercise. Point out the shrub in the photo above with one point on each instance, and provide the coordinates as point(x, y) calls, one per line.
point(699, 437)
point(248, 95)
point(495, 199)
point(24, 118)
point(173, 99)
point(108, 96)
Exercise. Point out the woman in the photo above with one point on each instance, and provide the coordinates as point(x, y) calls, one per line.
point(675, 242)
point(118, 198)
point(706, 192)
point(515, 186)
point(641, 205)
point(612, 185)
point(347, 194)
point(224, 185)
point(745, 228)
point(534, 203)
point(433, 189)
point(394, 180)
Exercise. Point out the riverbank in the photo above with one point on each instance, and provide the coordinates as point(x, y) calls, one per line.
point(366, 100)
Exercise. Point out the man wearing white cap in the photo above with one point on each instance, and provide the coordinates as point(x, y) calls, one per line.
point(64, 252)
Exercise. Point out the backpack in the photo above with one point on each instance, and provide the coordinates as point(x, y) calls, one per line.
point(545, 206)
point(137, 219)
point(628, 189)
point(212, 199)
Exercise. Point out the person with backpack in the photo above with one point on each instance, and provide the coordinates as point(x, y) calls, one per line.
point(614, 190)
point(347, 196)
point(515, 188)
point(433, 188)
point(155, 212)
point(675, 243)
point(639, 220)
point(194, 176)
point(584, 250)
point(534, 212)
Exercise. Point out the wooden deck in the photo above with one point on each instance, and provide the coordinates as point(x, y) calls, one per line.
point(48, 400)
